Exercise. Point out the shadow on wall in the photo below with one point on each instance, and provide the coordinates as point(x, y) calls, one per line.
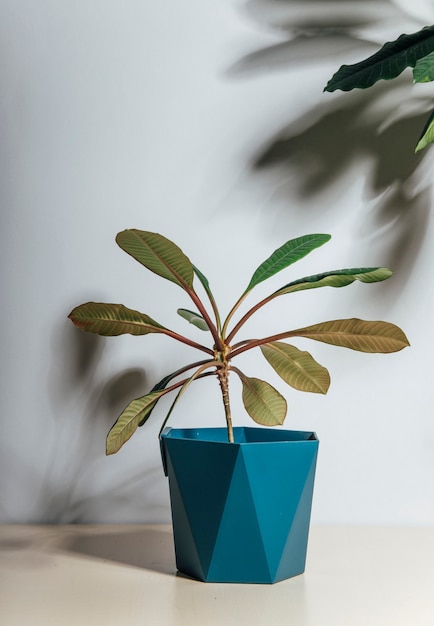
point(316, 30)
point(86, 406)
point(312, 31)
point(375, 128)
point(332, 140)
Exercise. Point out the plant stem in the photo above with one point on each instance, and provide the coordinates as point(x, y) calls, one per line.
point(186, 340)
point(231, 314)
point(200, 373)
point(245, 317)
point(223, 377)
point(198, 302)
point(254, 343)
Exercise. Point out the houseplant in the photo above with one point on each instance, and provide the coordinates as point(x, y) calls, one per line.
point(215, 475)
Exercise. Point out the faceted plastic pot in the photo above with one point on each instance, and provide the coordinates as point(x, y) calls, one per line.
point(240, 511)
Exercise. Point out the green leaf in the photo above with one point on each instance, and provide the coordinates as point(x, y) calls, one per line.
point(361, 335)
point(427, 135)
point(264, 404)
point(158, 254)
point(337, 278)
point(385, 64)
point(298, 369)
point(289, 253)
point(125, 426)
point(162, 384)
point(423, 71)
point(203, 279)
point(113, 319)
point(194, 318)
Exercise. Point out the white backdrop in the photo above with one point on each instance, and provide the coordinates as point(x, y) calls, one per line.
point(206, 122)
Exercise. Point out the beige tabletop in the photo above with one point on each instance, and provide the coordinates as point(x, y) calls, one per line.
point(126, 576)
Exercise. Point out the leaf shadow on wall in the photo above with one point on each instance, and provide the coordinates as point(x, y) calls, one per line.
point(314, 30)
point(70, 491)
point(321, 156)
point(378, 128)
point(310, 32)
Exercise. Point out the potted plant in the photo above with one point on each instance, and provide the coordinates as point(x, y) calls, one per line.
point(240, 497)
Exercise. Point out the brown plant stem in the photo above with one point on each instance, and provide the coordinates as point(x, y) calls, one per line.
point(186, 340)
point(198, 302)
point(183, 386)
point(243, 346)
point(247, 315)
point(230, 315)
point(223, 376)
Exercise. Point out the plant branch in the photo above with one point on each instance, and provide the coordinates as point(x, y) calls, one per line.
point(249, 313)
point(216, 311)
point(184, 384)
point(248, 344)
point(198, 302)
point(166, 380)
point(231, 314)
point(180, 383)
point(187, 341)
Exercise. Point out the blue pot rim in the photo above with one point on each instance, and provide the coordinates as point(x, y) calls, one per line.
point(243, 435)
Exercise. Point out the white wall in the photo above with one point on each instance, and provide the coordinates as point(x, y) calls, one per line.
point(205, 122)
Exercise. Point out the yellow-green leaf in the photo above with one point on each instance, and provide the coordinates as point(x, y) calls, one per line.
point(125, 426)
point(264, 404)
point(113, 319)
point(158, 254)
point(361, 335)
point(337, 278)
point(423, 72)
point(298, 369)
point(193, 318)
point(427, 135)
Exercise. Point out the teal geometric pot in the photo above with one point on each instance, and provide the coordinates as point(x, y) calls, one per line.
point(240, 511)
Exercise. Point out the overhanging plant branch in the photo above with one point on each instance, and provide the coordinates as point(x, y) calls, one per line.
point(386, 64)
point(414, 50)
